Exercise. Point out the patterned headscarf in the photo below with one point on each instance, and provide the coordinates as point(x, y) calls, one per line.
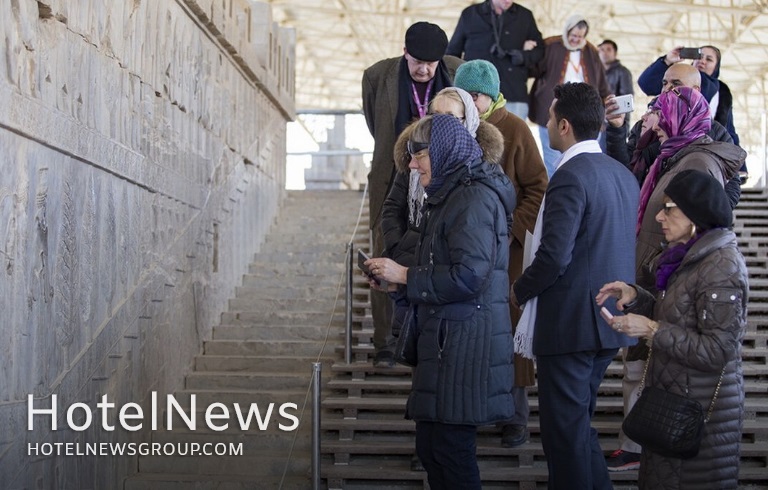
point(450, 147)
point(684, 116)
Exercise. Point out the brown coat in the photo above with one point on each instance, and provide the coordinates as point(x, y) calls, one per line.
point(550, 71)
point(522, 163)
point(380, 103)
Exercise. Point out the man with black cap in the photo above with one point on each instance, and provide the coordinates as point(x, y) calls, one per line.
point(395, 92)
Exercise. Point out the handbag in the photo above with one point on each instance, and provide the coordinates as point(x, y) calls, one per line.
point(665, 423)
point(405, 348)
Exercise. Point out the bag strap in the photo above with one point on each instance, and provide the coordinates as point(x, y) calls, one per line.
point(714, 396)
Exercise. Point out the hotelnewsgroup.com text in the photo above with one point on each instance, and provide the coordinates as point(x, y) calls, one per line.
point(134, 448)
point(216, 417)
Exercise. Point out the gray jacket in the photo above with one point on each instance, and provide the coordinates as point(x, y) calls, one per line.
point(702, 320)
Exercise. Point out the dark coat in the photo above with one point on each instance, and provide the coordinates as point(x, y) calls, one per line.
point(619, 79)
point(461, 292)
point(380, 105)
point(590, 211)
point(702, 320)
point(474, 37)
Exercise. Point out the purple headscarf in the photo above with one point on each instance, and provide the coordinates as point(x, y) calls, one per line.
point(684, 116)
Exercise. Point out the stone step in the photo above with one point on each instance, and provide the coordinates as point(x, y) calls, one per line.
point(243, 397)
point(269, 305)
point(295, 247)
point(271, 332)
point(329, 270)
point(324, 292)
point(266, 280)
point(270, 380)
point(236, 363)
point(288, 317)
point(309, 238)
point(283, 257)
point(259, 463)
point(174, 481)
point(304, 348)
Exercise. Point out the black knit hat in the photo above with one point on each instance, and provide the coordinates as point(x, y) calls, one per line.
point(425, 41)
point(701, 198)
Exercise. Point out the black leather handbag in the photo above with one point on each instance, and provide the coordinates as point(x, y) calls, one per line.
point(405, 349)
point(666, 423)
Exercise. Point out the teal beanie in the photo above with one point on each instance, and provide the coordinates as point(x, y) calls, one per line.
point(478, 76)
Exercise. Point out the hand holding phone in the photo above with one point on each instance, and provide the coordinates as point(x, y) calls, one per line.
point(362, 257)
point(607, 315)
point(624, 103)
point(690, 53)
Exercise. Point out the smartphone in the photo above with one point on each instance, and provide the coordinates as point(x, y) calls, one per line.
point(626, 104)
point(361, 258)
point(607, 316)
point(690, 53)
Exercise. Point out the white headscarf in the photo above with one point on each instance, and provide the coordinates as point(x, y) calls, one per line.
point(471, 122)
point(570, 23)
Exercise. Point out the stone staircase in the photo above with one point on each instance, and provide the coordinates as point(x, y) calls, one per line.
point(278, 325)
point(368, 445)
point(288, 313)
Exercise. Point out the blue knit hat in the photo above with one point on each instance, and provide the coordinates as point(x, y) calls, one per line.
point(478, 76)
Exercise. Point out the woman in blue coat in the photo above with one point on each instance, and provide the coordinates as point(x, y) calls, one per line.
point(460, 292)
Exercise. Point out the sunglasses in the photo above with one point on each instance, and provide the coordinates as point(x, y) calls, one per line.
point(415, 147)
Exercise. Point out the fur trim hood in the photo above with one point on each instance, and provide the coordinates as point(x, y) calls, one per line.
point(489, 138)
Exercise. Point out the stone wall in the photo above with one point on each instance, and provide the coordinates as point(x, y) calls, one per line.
point(142, 160)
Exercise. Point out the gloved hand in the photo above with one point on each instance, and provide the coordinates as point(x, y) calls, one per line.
point(516, 57)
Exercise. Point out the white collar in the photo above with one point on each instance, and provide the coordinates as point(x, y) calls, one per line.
point(586, 146)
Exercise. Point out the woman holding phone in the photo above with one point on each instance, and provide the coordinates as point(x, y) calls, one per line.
point(460, 291)
point(694, 327)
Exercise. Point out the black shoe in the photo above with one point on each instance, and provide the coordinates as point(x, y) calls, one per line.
point(621, 460)
point(384, 359)
point(416, 464)
point(513, 435)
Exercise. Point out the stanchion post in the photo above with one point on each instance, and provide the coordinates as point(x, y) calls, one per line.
point(316, 376)
point(348, 315)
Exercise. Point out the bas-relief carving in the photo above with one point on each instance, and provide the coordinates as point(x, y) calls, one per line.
point(83, 223)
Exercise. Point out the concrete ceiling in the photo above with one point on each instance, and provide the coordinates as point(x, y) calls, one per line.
point(338, 39)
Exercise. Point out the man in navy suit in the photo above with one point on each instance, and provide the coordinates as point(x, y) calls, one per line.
point(587, 237)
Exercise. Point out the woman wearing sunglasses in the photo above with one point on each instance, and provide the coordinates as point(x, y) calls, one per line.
point(460, 291)
point(694, 326)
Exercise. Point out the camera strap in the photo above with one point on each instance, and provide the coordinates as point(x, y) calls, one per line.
point(497, 24)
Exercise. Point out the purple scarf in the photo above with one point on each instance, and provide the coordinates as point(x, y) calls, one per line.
point(670, 260)
point(684, 116)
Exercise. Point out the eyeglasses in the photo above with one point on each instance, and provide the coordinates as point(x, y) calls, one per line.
point(687, 101)
point(416, 149)
point(668, 207)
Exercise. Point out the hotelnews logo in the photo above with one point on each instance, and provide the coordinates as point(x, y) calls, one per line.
point(130, 417)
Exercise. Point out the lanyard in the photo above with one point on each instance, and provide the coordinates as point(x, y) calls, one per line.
point(422, 106)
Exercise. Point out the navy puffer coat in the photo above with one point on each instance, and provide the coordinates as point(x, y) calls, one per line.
point(461, 291)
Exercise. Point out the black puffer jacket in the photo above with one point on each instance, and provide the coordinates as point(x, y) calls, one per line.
point(702, 319)
point(461, 291)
